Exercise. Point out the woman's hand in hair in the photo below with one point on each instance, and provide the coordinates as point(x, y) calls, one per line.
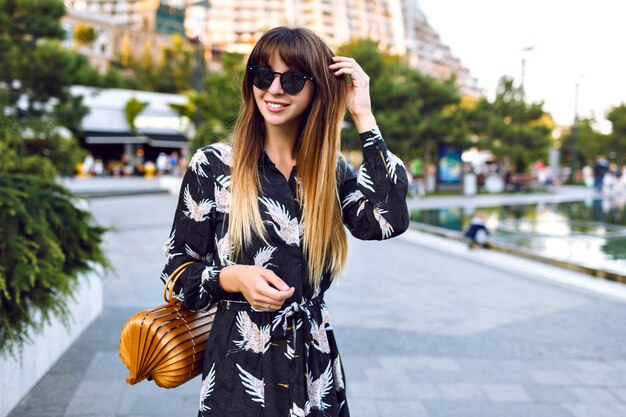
point(358, 101)
point(261, 287)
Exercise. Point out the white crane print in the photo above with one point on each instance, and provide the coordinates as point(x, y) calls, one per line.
point(224, 249)
point(297, 411)
point(222, 193)
point(208, 274)
point(254, 338)
point(373, 139)
point(392, 162)
point(224, 153)
point(353, 197)
point(256, 387)
point(338, 374)
point(385, 226)
point(197, 211)
point(168, 247)
point(199, 159)
point(319, 388)
point(364, 180)
point(207, 388)
point(264, 256)
point(320, 338)
point(288, 229)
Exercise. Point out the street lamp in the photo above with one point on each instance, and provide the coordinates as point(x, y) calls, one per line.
point(524, 53)
point(575, 129)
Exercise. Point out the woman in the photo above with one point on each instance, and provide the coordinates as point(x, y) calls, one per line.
point(263, 221)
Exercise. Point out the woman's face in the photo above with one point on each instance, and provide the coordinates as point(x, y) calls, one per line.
point(277, 107)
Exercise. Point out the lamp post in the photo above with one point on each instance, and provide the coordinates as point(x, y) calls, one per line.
point(574, 160)
point(524, 53)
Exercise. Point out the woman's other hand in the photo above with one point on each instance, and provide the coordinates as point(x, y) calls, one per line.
point(358, 101)
point(261, 287)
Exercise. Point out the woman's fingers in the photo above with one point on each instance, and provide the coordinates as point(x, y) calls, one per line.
point(272, 293)
point(263, 289)
point(273, 279)
point(262, 303)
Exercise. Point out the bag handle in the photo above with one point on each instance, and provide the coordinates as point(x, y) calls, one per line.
point(171, 281)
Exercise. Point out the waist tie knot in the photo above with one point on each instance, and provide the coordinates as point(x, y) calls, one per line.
point(292, 317)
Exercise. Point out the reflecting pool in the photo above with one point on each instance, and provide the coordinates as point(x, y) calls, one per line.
point(590, 233)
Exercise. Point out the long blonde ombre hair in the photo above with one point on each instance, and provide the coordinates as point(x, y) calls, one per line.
point(316, 151)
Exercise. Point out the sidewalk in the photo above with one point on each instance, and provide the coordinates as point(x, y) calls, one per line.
point(425, 328)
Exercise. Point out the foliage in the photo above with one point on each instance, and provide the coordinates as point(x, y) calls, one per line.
point(516, 132)
point(171, 73)
point(132, 109)
point(589, 144)
point(15, 157)
point(218, 102)
point(415, 111)
point(84, 35)
point(46, 242)
point(617, 138)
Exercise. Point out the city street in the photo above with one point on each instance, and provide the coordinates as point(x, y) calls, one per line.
point(426, 328)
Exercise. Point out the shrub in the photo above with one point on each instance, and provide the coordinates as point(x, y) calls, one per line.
point(46, 242)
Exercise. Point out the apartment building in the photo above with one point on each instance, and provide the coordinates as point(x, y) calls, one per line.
point(399, 26)
point(123, 27)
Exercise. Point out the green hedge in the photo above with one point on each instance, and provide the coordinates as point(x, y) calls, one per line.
point(46, 241)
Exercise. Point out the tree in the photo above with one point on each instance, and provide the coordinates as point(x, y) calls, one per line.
point(617, 138)
point(46, 240)
point(84, 35)
point(132, 109)
point(415, 111)
point(219, 101)
point(516, 132)
point(589, 144)
point(36, 74)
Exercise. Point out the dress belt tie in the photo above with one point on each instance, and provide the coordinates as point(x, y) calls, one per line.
point(290, 317)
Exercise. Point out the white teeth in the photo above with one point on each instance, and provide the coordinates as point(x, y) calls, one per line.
point(276, 105)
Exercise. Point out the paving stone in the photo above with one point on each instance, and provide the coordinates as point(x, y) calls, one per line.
point(401, 408)
point(554, 378)
point(504, 392)
point(595, 410)
point(456, 392)
point(492, 409)
point(597, 378)
point(552, 394)
point(363, 407)
point(594, 395)
point(620, 393)
point(592, 366)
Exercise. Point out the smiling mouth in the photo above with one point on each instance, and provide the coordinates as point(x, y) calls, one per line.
point(275, 105)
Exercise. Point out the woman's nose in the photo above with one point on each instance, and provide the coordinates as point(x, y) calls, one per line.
point(276, 87)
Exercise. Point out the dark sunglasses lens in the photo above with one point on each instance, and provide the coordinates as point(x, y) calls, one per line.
point(292, 82)
point(263, 77)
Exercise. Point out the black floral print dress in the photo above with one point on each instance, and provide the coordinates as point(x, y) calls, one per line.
point(282, 363)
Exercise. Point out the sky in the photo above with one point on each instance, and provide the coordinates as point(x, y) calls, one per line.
point(575, 41)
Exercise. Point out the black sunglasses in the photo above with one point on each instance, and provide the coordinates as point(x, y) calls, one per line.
point(291, 81)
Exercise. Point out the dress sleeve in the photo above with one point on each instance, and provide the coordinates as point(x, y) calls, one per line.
point(373, 201)
point(192, 239)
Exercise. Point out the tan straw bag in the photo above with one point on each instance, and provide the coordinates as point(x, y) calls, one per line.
point(166, 343)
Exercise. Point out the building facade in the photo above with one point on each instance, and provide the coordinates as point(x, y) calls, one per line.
point(399, 26)
point(123, 28)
